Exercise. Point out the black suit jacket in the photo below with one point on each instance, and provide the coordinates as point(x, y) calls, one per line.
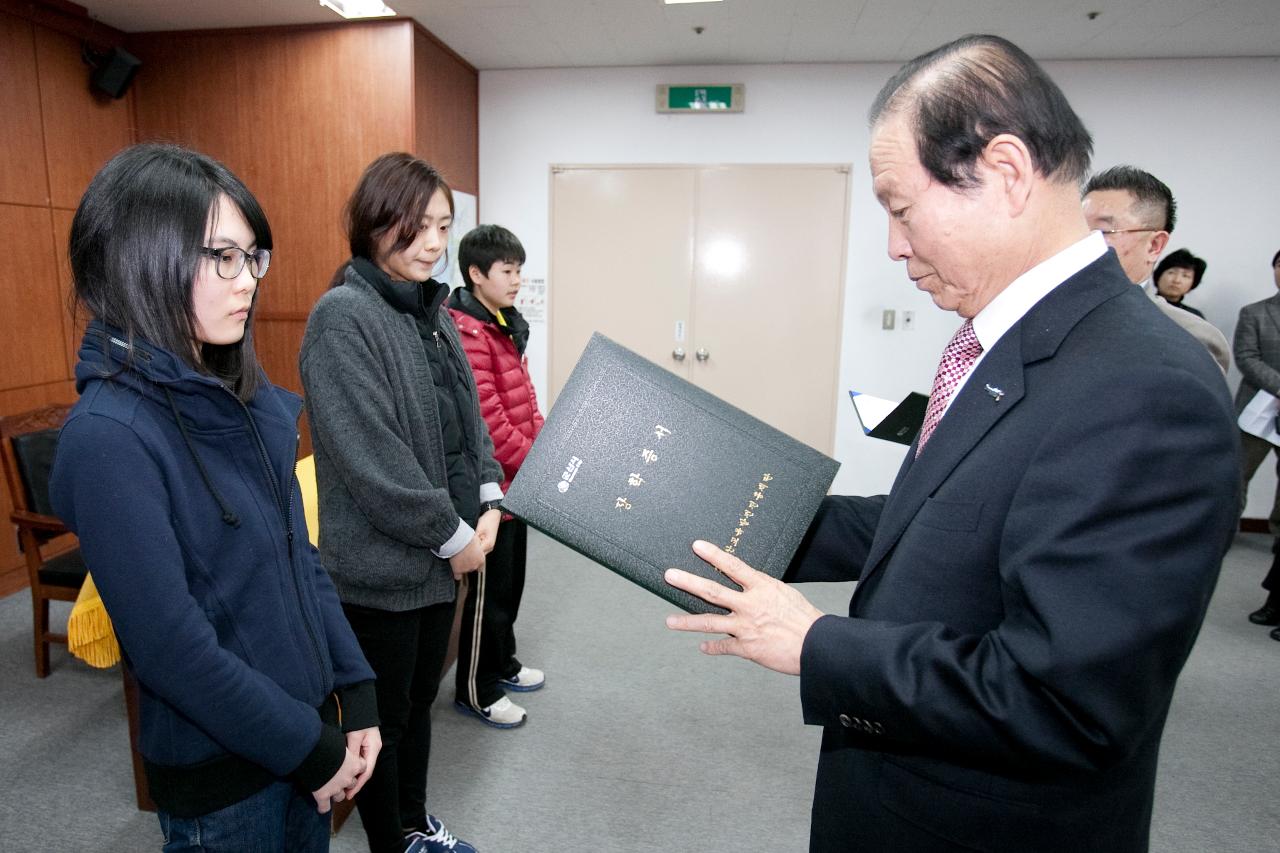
point(1028, 591)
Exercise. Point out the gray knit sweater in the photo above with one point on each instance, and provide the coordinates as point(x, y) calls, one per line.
point(380, 456)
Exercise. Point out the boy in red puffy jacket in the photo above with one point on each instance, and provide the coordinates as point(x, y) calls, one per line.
point(494, 336)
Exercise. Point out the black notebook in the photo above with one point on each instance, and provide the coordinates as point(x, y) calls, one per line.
point(635, 463)
point(896, 422)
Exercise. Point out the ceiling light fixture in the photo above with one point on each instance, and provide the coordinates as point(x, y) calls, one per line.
point(359, 8)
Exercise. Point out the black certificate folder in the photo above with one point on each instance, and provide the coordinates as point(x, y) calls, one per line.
point(635, 463)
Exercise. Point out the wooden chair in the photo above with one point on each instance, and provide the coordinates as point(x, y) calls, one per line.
point(55, 568)
point(54, 565)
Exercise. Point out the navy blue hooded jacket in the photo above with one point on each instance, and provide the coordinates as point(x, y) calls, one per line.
point(195, 536)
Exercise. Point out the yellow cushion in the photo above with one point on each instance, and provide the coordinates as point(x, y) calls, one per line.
point(90, 636)
point(306, 469)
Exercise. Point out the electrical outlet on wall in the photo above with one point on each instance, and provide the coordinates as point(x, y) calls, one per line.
point(908, 320)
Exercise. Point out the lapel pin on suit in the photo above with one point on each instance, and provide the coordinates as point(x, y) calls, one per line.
point(995, 393)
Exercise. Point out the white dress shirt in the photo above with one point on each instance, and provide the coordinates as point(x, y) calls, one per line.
point(1011, 304)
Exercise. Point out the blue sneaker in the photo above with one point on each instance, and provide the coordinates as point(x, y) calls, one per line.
point(503, 714)
point(436, 839)
point(526, 680)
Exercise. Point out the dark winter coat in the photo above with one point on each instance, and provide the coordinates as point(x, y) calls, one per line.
point(190, 521)
point(381, 457)
point(508, 401)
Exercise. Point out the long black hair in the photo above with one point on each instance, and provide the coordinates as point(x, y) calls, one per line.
point(135, 248)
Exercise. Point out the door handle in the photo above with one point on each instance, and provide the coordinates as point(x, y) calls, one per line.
point(702, 354)
point(678, 353)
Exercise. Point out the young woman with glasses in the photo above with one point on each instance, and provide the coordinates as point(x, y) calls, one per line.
point(175, 469)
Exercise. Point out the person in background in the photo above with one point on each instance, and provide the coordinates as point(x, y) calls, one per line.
point(494, 336)
point(407, 482)
point(1257, 350)
point(1136, 213)
point(1177, 274)
point(1029, 590)
point(175, 469)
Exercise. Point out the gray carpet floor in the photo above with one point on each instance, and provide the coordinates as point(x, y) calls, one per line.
point(639, 743)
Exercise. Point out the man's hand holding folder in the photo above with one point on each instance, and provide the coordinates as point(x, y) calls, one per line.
point(766, 623)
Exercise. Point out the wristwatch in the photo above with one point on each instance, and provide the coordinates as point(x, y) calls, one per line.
point(488, 505)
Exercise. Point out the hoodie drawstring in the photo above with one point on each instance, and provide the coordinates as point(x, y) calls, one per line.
point(228, 517)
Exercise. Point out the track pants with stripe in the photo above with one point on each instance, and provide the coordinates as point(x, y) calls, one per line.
point(487, 641)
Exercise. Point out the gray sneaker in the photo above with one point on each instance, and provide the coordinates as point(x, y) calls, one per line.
point(436, 839)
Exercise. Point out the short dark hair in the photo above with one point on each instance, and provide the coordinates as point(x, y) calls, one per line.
point(486, 245)
point(1276, 259)
point(1181, 259)
point(392, 195)
point(135, 249)
point(1153, 199)
point(963, 94)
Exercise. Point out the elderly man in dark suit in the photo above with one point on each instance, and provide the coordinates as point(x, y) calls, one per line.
point(1030, 588)
point(1257, 350)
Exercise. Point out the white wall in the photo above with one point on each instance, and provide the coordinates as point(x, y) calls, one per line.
point(1208, 128)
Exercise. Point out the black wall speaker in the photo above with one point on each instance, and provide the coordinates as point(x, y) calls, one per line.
point(115, 72)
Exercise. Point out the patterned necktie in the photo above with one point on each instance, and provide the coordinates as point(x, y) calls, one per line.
point(957, 361)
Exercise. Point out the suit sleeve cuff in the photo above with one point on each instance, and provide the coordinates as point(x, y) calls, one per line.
point(829, 669)
point(324, 760)
point(359, 706)
point(490, 492)
point(456, 542)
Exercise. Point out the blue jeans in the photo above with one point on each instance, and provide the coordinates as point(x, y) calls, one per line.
point(276, 819)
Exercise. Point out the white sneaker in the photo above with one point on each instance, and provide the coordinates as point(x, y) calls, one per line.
point(503, 714)
point(526, 680)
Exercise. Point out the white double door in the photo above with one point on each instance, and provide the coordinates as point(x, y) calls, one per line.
point(729, 276)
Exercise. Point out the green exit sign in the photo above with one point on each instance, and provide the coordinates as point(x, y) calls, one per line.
point(701, 99)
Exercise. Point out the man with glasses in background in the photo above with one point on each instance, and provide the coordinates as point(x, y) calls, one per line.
point(1136, 213)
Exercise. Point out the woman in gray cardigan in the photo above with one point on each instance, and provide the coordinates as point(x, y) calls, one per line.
point(408, 486)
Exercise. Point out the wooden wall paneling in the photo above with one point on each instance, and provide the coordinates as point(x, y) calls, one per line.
point(30, 299)
point(63, 16)
point(12, 578)
point(297, 114)
point(82, 130)
point(348, 100)
point(14, 400)
point(74, 318)
point(446, 112)
point(278, 343)
point(23, 177)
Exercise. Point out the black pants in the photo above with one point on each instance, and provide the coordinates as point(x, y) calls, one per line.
point(406, 651)
point(1253, 451)
point(1271, 583)
point(487, 643)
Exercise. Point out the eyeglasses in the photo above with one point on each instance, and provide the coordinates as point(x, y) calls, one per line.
point(1107, 232)
point(231, 261)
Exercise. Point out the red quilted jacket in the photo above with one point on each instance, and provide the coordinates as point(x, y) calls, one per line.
point(507, 399)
